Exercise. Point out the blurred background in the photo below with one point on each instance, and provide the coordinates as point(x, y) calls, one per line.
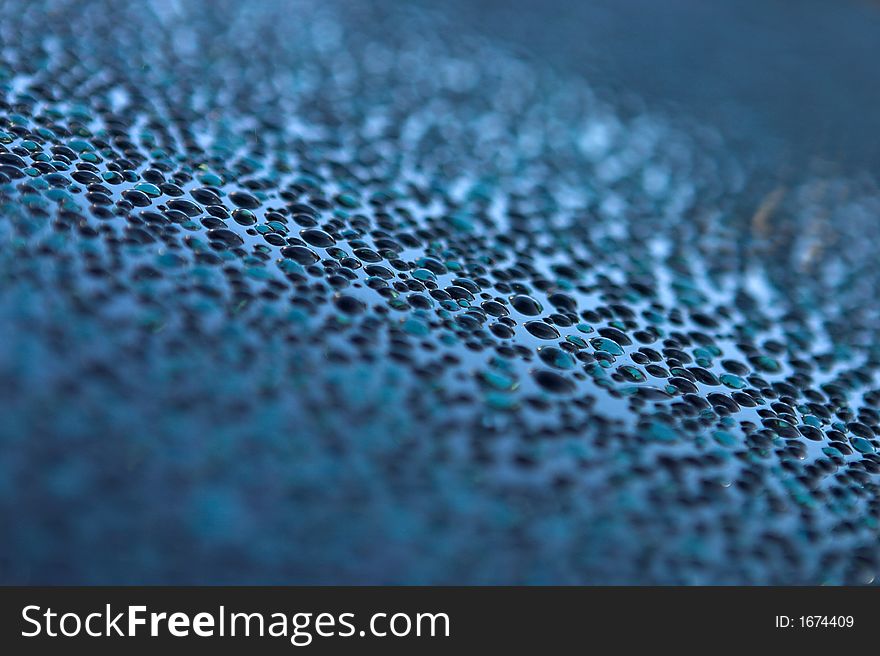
point(795, 80)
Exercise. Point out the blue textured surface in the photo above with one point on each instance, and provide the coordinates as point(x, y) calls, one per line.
point(323, 292)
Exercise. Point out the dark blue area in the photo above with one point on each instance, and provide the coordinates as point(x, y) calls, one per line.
point(344, 292)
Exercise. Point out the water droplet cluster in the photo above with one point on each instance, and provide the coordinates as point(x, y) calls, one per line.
point(314, 292)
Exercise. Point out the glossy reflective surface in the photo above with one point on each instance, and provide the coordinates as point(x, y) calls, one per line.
point(331, 292)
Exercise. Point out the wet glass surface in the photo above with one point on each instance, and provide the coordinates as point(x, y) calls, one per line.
point(325, 292)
